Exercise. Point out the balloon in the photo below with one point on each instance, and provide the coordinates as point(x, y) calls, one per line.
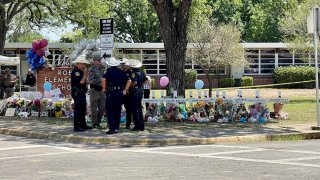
point(47, 94)
point(35, 45)
point(199, 84)
point(43, 43)
point(47, 86)
point(40, 52)
point(164, 80)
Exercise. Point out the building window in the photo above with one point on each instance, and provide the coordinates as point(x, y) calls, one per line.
point(285, 58)
point(13, 69)
point(253, 57)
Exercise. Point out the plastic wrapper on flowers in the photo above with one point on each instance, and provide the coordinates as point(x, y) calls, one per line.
point(258, 112)
point(225, 110)
point(152, 113)
point(202, 112)
point(176, 112)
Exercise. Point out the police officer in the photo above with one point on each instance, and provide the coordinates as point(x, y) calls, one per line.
point(128, 97)
point(97, 98)
point(115, 83)
point(79, 77)
point(138, 80)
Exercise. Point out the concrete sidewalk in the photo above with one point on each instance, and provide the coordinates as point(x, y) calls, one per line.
point(159, 134)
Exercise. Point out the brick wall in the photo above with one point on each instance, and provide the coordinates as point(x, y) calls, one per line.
point(59, 78)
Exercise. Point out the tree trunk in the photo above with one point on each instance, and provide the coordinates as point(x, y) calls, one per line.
point(173, 30)
point(210, 81)
point(3, 28)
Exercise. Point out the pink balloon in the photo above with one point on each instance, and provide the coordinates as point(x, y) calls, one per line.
point(164, 80)
point(40, 52)
point(43, 43)
point(35, 45)
point(47, 94)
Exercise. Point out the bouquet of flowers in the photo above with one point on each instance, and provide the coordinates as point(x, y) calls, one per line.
point(258, 113)
point(152, 113)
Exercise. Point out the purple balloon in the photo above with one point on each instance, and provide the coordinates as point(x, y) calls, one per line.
point(164, 80)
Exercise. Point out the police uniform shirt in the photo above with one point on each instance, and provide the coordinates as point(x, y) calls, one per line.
point(95, 74)
point(129, 73)
point(138, 76)
point(115, 77)
point(76, 76)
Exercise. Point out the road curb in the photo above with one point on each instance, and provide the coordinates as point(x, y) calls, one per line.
point(157, 142)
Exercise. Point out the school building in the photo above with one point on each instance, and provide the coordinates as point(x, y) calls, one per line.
point(265, 58)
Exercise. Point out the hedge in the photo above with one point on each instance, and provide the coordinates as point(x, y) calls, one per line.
point(294, 74)
point(246, 81)
point(227, 82)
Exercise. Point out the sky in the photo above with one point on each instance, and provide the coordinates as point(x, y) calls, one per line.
point(54, 33)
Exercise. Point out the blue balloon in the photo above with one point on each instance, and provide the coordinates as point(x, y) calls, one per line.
point(47, 86)
point(199, 84)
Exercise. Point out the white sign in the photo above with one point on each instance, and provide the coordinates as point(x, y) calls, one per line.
point(10, 112)
point(106, 54)
point(106, 40)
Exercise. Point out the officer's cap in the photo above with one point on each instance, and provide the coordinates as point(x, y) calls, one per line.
point(134, 63)
point(81, 59)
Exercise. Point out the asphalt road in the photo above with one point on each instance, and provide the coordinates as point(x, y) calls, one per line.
point(22, 158)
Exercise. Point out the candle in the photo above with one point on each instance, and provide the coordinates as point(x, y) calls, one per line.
point(205, 94)
point(199, 94)
point(190, 93)
point(279, 94)
point(224, 94)
point(153, 94)
point(239, 92)
point(217, 93)
point(175, 94)
point(257, 93)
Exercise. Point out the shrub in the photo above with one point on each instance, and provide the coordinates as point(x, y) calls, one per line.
point(227, 82)
point(246, 81)
point(294, 74)
point(190, 77)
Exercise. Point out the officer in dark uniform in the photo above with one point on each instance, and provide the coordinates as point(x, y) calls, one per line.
point(129, 97)
point(115, 83)
point(78, 92)
point(138, 80)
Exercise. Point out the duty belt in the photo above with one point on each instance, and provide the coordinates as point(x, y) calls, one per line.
point(115, 88)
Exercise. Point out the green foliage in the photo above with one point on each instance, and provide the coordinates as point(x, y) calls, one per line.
point(258, 20)
point(190, 77)
point(294, 74)
point(227, 82)
point(246, 81)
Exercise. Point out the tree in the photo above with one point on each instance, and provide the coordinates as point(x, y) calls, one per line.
point(136, 21)
point(259, 20)
point(85, 15)
point(294, 26)
point(39, 13)
point(173, 18)
point(214, 48)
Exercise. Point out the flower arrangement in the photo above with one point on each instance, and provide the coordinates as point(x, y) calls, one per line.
point(152, 113)
point(57, 106)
